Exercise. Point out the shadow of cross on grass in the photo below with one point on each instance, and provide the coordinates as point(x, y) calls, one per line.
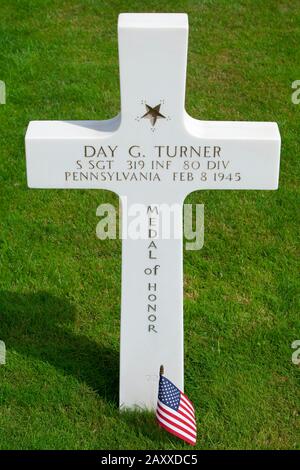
point(38, 325)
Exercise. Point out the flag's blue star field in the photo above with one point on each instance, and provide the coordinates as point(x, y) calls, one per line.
point(169, 394)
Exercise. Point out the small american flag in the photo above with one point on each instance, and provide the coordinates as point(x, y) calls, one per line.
point(175, 412)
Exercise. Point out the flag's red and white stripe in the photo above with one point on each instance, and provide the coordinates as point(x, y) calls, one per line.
point(182, 422)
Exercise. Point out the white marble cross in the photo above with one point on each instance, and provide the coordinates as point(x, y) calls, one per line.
point(153, 152)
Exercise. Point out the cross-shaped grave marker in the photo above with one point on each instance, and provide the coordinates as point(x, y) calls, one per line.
point(152, 153)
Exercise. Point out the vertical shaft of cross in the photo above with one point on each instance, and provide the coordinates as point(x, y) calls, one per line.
point(153, 57)
point(152, 304)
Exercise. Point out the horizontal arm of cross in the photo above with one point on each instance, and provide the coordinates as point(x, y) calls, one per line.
point(153, 146)
point(204, 155)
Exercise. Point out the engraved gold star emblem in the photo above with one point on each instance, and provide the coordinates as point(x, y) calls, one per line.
point(153, 114)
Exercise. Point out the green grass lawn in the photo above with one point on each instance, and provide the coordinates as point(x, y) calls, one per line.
point(60, 285)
